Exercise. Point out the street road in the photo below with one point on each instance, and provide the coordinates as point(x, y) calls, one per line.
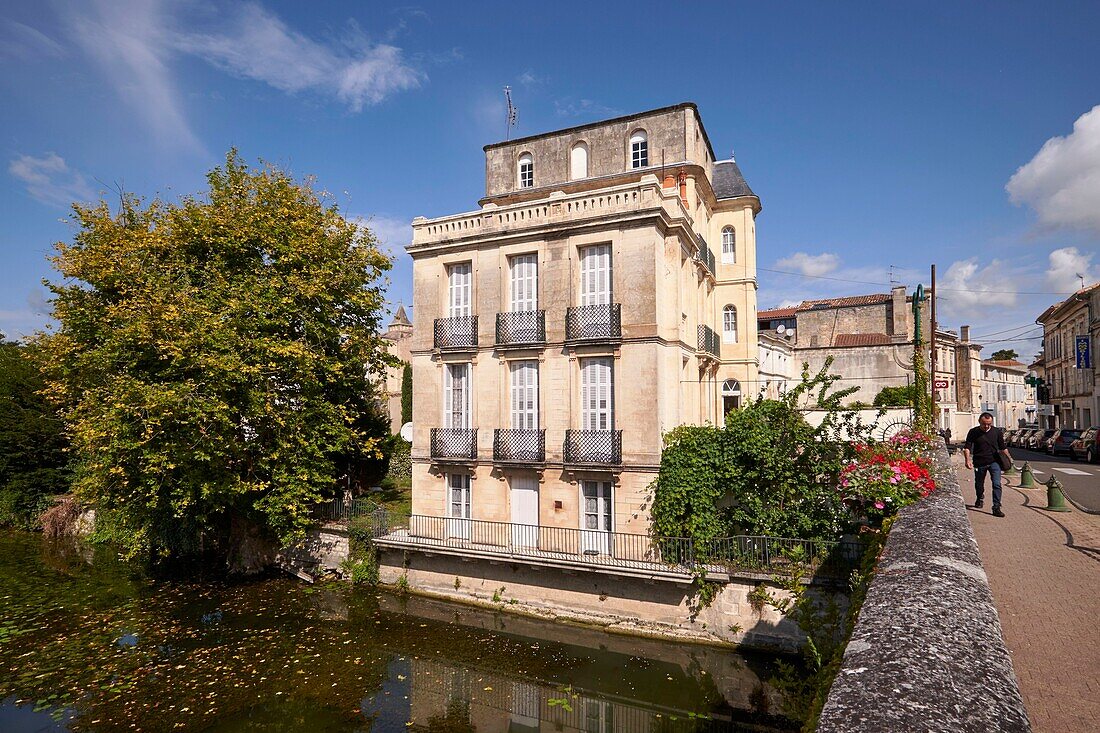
point(1080, 481)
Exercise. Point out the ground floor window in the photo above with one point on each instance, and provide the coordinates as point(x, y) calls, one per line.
point(458, 505)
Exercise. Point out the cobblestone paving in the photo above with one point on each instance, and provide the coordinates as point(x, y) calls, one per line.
point(1044, 571)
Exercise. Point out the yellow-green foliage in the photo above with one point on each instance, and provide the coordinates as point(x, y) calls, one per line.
point(213, 356)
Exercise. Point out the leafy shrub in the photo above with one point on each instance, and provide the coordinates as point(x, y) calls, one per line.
point(400, 459)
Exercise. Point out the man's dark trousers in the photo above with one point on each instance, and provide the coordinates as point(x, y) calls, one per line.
point(994, 471)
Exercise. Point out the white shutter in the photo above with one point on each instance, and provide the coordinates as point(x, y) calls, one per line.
point(525, 395)
point(596, 275)
point(525, 283)
point(459, 284)
point(729, 325)
point(596, 395)
point(456, 396)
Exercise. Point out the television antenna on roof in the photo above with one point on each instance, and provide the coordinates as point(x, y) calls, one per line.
point(511, 115)
point(893, 280)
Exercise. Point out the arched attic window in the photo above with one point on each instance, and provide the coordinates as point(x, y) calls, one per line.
point(526, 171)
point(639, 149)
point(729, 325)
point(729, 246)
point(578, 161)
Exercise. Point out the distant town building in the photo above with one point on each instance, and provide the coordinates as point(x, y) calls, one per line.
point(398, 337)
point(777, 362)
point(603, 294)
point(1005, 393)
point(1070, 332)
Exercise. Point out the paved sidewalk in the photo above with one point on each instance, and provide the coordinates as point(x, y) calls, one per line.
point(1044, 571)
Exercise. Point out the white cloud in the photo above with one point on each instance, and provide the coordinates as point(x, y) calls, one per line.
point(128, 39)
point(1062, 182)
point(50, 180)
point(22, 41)
point(811, 265)
point(1067, 267)
point(570, 107)
point(967, 290)
point(255, 44)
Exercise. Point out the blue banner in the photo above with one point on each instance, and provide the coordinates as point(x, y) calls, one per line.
point(1084, 353)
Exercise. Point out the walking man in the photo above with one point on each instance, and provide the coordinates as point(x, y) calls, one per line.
point(983, 443)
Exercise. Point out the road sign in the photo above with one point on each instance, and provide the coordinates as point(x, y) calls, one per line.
point(940, 384)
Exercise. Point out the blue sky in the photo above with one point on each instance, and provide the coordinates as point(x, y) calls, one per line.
point(876, 134)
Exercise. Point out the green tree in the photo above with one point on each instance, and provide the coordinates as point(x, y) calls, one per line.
point(33, 463)
point(898, 396)
point(407, 394)
point(215, 359)
point(1004, 355)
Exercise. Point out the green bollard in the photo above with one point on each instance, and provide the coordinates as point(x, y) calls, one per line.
point(1027, 478)
point(1056, 500)
point(1011, 470)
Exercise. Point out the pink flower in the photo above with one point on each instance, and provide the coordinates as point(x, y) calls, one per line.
point(879, 505)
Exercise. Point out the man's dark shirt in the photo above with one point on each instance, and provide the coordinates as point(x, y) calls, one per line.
point(984, 445)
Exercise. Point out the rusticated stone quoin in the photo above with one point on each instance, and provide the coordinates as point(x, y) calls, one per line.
point(927, 652)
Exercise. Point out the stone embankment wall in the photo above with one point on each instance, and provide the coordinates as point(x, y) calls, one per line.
point(927, 653)
point(324, 548)
point(632, 605)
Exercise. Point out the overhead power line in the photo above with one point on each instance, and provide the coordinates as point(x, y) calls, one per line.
point(941, 289)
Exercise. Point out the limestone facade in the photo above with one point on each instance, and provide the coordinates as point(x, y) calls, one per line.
point(1074, 391)
point(585, 309)
point(1005, 394)
point(777, 364)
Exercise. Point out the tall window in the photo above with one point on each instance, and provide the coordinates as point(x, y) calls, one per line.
point(526, 171)
point(456, 396)
point(525, 283)
point(729, 246)
point(578, 161)
point(597, 410)
point(459, 282)
point(729, 325)
point(596, 275)
point(639, 150)
point(525, 395)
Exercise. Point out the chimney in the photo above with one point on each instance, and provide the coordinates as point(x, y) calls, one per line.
point(684, 188)
point(964, 334)
point(900, 317)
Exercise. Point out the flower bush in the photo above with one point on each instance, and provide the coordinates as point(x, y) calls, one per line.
point(883, 477)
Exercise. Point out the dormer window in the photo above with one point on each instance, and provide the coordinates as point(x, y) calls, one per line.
point(639, 150)
point(526, 171)
point(578, 161)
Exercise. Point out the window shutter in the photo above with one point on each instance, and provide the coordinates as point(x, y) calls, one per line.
point(525, 283)
point(596, 395)
point(525, 395)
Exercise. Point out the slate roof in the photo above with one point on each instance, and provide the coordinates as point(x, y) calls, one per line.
point(861, 339)
point(728, 182)
point(400, 318)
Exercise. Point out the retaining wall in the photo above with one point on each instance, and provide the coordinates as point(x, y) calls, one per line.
point(927, 653)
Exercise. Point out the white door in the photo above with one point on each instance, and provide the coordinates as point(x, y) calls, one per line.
point(525, 395)
point(459, 286)
point(525, 512)
point(596, 395)
point(596, 275)
point(596, 517)
point(456, 396)
point(525, 283)
point(458, 505)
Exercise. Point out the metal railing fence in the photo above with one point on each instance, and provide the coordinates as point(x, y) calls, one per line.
point(708, 340)
point(596, 447)
point(521, 327)
point(593, 322)
point(528, 446)
point(705, 255)
point(454, 443)
point(459, 332)
point(339, 510)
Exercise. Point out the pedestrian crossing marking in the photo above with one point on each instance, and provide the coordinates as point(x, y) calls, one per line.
point(1072, 471)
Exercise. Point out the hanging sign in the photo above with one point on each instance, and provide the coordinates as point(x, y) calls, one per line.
point(940, 384)
point(1084, 353)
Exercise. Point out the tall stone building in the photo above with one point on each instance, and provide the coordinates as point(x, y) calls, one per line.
point(1071, 329)
point(398, 336)
point(603, 293)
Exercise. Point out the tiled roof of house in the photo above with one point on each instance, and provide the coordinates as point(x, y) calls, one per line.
point(773, 313)
point(728, 182)
point(872, 299)
point(1005, 362)
point(861, 339)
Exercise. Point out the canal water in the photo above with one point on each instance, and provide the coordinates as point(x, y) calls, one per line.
point(89, 642)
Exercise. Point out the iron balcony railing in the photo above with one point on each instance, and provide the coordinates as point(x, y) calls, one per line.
point(458, 332)
point(523, 446)
point(459, 443)
point(597, 447)
point(339, 510)
point(705, 255)
point(521, 327)
point(708, 341)
point(593, 322)
point(731, 555)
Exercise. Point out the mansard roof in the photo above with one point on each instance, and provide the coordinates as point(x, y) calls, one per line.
point(728, 182)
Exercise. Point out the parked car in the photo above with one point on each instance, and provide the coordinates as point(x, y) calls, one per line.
point(1019, 438)
point(1087, 446)
point(1009, 435)
point(1059, 443)
point(1037, 440)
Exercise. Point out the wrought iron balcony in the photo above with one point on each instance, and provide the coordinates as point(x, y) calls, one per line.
point(595, 447)
point(459, 332)
point(521, 327)
point(594, 322)
point(709, 342)
point(521, 446)
point(705, 255)
point(455, 443)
